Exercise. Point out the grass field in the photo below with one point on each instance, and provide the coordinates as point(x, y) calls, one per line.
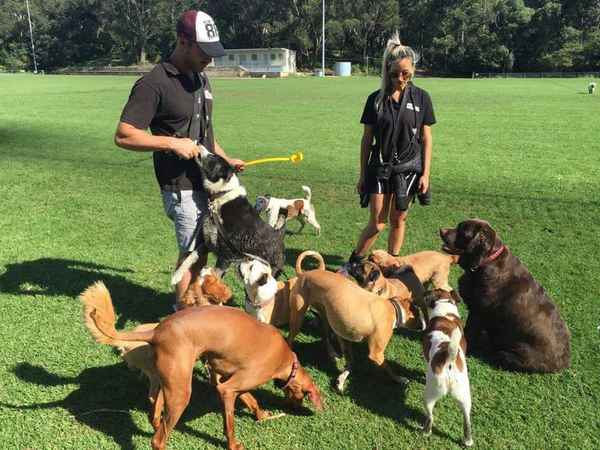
point(523, 154)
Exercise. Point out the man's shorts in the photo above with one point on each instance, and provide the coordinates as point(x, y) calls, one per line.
point(186, 209)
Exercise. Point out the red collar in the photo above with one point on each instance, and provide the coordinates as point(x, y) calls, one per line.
point(293, 372)
point(490, 258)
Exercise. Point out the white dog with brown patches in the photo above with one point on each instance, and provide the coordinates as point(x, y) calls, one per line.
point(302, 208)
point(444, 349)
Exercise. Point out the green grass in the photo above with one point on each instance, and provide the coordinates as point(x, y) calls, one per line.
point(523, 154)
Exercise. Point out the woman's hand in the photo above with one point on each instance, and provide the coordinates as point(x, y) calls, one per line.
point(360, 185)
point(424, 183)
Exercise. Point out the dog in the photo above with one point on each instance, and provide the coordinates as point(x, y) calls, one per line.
point(241, 353)
point(233, 229)
point(266, 299)
point(444, 350)
point(591, 87)
point(507, 307)
point(136, 354)
point(206, 289)
point(353, 314)
point(430, 267)
point(301, 208)
point(400, 282)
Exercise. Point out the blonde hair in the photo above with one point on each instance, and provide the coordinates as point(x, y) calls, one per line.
point(394, 52)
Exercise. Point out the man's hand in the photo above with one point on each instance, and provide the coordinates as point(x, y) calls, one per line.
point(185, 148)
point(237, 164)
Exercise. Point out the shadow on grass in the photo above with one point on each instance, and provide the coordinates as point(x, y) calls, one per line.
point(107, 395)
point(64, 277)
point(291, 255)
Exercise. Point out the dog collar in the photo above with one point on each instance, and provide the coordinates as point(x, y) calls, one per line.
point(218, 200)
point(490, 258)
point(399, 320)
point(292, 374)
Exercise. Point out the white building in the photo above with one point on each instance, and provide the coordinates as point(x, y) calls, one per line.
point(273, 61)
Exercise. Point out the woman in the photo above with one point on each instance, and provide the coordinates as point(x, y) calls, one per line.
point(395, 155)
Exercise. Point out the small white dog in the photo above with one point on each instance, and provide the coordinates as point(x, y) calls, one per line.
point(444, 349)
point(302, 208)
point(591, 87)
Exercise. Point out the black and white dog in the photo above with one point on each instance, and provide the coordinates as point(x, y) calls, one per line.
point(233, 229)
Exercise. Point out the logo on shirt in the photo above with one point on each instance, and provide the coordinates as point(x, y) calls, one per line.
point(412, 107)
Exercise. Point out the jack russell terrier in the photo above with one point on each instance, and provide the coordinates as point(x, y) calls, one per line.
point(302, 208)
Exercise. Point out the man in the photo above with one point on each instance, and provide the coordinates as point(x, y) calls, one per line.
point(174, 100)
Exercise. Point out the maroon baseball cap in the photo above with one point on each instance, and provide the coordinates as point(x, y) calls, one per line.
point(201, 28)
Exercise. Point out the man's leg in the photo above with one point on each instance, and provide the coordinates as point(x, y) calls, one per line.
point(186, 209)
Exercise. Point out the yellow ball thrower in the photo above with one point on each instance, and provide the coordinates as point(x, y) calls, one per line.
point(294, 158)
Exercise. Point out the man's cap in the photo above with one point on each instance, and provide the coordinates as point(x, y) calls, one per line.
point(201, 28)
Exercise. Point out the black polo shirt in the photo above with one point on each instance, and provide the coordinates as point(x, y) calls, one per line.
point(419, 109)
point(163, 100)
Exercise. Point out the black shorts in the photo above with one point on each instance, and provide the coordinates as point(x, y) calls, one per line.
point(378, 186)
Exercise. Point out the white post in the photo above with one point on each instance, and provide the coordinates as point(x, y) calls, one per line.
point(323, 56)
point(31, 37)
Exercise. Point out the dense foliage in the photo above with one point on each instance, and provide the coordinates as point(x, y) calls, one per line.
point(453, 36)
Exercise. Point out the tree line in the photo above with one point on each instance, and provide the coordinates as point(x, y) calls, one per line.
point(452, 36)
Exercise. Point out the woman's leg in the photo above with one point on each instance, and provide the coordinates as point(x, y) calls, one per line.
point(379, 206)
point(397, 229)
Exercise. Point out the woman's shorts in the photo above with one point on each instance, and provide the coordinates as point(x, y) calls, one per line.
point(378, 186)
point(186, 209)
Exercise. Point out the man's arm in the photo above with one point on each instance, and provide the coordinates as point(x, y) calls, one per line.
point(237, 164)
point(131, 138)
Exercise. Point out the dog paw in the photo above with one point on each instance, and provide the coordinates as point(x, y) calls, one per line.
point(402, 381)
point(468, 442)
point(340, 384)
point(268, 416)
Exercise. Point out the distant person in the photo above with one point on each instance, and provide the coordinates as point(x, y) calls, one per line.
point(591, 87)
point(175, 101)
point(395, 151)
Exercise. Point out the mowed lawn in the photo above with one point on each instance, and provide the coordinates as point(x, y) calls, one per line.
point(522, 154)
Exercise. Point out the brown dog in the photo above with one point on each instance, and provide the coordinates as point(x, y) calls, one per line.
point(266, 299)
point(237, 348)
point(429, 266)
point(207, 288)
point(508, 309)
point(352, 313)
point(137, 354)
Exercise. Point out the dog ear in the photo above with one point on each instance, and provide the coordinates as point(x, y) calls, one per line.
point(455, 296)
point(373, 275)
point(264, 278)
point(480, 245)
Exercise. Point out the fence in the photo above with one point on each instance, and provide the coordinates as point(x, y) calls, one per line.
point(536, 75)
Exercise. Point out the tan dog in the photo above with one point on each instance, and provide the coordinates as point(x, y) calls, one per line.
point(237, 348)
point(267, 299)
point(399, 282)
point(429, 266)
point(207, 288)
point(353, 313)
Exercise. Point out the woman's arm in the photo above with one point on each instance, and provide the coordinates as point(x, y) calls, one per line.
point(365, 150)
point(427, 145)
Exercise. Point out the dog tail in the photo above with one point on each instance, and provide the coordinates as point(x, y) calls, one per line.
point(307, 193)
point(312, 253)
point(185, 265)
point(454, 344)
point(99, 318)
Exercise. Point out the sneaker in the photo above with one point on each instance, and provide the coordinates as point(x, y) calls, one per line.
point(346, 269)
